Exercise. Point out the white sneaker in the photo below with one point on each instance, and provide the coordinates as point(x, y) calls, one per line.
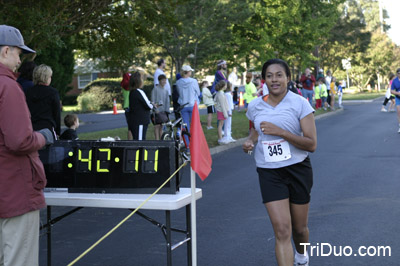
point(210, 127)
point(301, 264)
point(383, 110)
point(222, 142)
point(232, 140)
point(297, 263)
point(398, 131)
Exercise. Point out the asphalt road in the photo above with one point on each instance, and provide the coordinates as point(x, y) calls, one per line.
point(355, 202)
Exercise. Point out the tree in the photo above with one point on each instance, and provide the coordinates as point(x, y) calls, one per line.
point(61, 60)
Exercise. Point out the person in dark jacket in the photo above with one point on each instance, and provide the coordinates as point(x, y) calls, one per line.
point(44, 101)
point(72, 122)
point(25, 78)
point(139, 107)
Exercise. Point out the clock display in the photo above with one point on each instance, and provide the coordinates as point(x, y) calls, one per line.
point(111, 167)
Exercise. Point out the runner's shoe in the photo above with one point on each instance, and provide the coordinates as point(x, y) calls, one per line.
point(301, 264)
point(298, 263)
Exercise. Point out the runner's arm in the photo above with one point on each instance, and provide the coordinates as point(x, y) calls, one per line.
point(248, 145)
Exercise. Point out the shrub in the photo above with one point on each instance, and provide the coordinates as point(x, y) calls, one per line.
point(87, 102)
point(99, 95)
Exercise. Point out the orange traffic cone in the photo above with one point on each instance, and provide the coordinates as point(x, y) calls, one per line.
point(241, 102)
point(115, 107)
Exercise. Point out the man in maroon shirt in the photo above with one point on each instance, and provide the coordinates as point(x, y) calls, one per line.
point(22, 176)
point(308, 81)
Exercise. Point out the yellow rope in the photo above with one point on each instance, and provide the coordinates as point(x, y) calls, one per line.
point(126, 218)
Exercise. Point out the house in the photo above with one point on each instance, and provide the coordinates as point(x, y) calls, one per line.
point(85, 71)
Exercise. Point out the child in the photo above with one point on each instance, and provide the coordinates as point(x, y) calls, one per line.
point(209, 102)
point(320, 94)
point(235, 96)
point(72, 122)
point(340, 94)
point(332, 92)
point(222, 108)
point(228, 123)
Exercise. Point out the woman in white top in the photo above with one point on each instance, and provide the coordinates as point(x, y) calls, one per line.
point(284, 130)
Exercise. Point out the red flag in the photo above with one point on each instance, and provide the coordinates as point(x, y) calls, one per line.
point(200, 153)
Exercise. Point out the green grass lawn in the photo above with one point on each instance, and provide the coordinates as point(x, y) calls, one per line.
point(362, 95)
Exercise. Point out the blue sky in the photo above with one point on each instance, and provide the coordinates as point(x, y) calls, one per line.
point(393, 8)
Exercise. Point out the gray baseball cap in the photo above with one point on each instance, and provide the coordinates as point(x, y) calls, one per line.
point(11, 36)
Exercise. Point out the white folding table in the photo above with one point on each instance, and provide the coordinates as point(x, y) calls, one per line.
point(166, 202)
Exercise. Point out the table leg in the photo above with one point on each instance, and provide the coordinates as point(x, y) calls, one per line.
point(48, 235)
point(189, 235)
point(169, 244)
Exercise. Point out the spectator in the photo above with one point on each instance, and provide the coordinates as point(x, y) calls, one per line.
point(220, 74)
point(235, 96)
point(44, 101)
point(340, 94)
point(159, 95)
point(332, 92)
point(125, 92)
point(222, 107)
point(328, 82)
point(26, 75)
point(189, 92)
point(259, 86)
point(308, 80)
point(233, 78)
point(228, 122)
point(22, 176)
point(139, 108)
point(320, 94)
point(250, 90)
point(292, 86)
point(208, 100)
point(71, 121)
point(175, 97)
point(160, 71)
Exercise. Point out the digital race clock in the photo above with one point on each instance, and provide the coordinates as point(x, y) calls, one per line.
point(111, 167)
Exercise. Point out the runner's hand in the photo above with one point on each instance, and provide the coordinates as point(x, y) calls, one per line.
point(248, 146)
point(270, 129)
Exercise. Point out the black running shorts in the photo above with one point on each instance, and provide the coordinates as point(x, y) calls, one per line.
point(210, 109)
point(293, 182)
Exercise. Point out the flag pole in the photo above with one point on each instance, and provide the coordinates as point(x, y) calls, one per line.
point(193, 216)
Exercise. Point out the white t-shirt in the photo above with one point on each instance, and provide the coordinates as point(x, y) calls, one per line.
point(229, 99)
point(286, 115)
point(328, 80)
point(233, 78)
point(158, 73)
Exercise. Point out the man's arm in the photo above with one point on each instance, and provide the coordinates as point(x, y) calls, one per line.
point(16, 125)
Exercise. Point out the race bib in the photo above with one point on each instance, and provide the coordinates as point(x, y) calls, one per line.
point(276, 150)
